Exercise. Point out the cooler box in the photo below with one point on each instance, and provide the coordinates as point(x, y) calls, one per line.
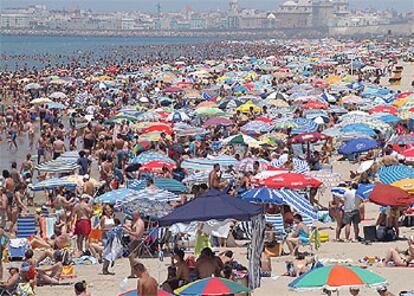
point(17, 248)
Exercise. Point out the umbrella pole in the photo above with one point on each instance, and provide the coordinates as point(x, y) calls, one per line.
point(308, 152)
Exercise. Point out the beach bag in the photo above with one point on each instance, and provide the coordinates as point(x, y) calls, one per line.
point(24, 289)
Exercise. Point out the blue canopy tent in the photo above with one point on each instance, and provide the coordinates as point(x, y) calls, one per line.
point(216, 205)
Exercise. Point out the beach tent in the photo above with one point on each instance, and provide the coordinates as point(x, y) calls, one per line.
point(205, 207)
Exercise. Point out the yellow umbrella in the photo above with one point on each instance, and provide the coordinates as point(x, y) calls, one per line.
point(104, 77)
point(245, 108)
point(58, 82)
point(278, 103)
point(401, 102)
point(333, 79)
point(405, 184)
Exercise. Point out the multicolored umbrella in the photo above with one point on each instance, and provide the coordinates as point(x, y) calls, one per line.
point(305, 126)
point(217, 121)
point(394, 173)
point(246, 164)
point(402, 140)
point(285, 123)
point(335, 277)
point(256, 127)
point(211, 286)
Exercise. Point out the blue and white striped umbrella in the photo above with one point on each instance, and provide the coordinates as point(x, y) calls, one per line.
point(53, 184)
point(339, 191)
point(292, 198)
point(394, 173)
point(116, 196)
point(207, 164)
point(299, 166)
point(305, 126)
point(148, 156)
point(57, 166)
point(256, 127)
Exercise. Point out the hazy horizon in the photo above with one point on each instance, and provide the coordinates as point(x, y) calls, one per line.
point(197, 5)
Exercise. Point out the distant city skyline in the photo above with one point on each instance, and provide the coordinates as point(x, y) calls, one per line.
point(197, 5)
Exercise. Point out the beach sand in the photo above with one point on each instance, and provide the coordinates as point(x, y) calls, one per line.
point(399, 278)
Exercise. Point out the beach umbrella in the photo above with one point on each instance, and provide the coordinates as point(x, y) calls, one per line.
point(161, 128)
point(357, 146)
point(364, 190)
point(40, 101)
point(207, 164)
point(212, 286)
point(245, 108)
point(135, 293)
point(239, 140)
point(394, 173)
point(31, 86)
point(402, 140)
point(209, 111)
point(156, 166)
point(390, 118)
point(285, 123)
point(148, 156)
point(57, 166)
point(178, 116)
point(256, 127)
point(246, 164)
point(280, 197)
point(115, 196)
point(141, 146)
point(388, 195)
point(217, 121)
point(335, 277)
point(148, 116)
point(168, 184)
point(358, 128)
point(405, 184)
point(304, 126)
point(315, 105)
point(308, 138)
point(383, 109)
point(408, 154)
point(54, 105)
point(120, 118)
point(299, 166)
point(58, 95)
point(291, 181)
point(54, 184)
point(190, 131)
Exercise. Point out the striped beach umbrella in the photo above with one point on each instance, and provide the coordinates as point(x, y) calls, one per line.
point(335, 277)
point(256, 127)
point(280, 197)
point(394, 173)
point(211, 286)
point(148, 156)
point(57, 166)
point(304, 126)
point(299, 166)
point(54, 184)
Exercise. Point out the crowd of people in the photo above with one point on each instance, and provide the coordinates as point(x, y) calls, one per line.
point(94, 109)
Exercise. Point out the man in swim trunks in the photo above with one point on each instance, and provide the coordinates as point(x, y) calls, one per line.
point(83, 213)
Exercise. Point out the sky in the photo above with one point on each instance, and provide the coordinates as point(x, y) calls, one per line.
point(197, 5)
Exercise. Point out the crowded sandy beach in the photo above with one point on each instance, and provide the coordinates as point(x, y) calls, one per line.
point(222, 168)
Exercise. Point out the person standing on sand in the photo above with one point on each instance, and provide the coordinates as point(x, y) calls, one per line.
point(135, 232)
point(147, 285)
point(83, 214)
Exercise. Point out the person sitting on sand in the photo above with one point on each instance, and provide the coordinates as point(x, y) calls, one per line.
point(147, 285)
point(383, 291)
point(182, 273)
point(50, 275)
point(207, 265)
point(399, 257)
point(299, 236)
point(299, 265)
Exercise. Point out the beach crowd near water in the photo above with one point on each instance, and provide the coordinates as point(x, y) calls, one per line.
point(219, 168)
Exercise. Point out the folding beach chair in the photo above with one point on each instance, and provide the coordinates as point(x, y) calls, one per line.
point(26, 227)
point(150, 244)
point(276, 225)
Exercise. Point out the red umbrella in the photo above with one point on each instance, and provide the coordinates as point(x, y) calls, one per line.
point(308, 138)
point(408, 153)
point(111, 70)
point(388, 195)
point(291, 180)
point(158, 128)
point(265, 119)
point(314, 105)
point(156, 165)
point(384, 109)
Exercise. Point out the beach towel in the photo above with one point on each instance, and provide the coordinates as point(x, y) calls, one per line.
point(84, 259)
point(50, 227)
